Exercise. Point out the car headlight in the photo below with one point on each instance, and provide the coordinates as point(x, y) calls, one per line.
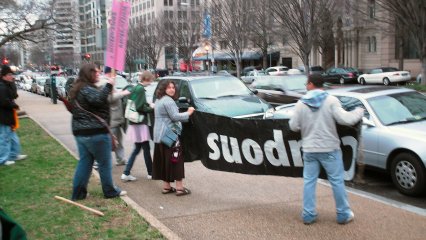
point(269, 113)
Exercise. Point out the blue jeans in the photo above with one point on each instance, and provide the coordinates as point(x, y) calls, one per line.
point(90, 148)
point(333, 164)
point(10, 148)
point(146, 155)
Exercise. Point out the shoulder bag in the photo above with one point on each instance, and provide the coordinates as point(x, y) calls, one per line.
point(114, 140)
point(131, 113)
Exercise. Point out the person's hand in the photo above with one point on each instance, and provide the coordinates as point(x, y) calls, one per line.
point(359, 111)
point(191, 110)
point(126, 92)
point(151, 105)
point(111, 80)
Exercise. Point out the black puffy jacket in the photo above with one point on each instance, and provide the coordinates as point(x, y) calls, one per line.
point(7, 103)
point(93, 100)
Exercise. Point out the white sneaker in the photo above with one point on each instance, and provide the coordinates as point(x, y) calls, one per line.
point(149, 177)
point(20, 157)
point(8, 163)
point(349, 219)
point(123, 193)
point(96, 165)
point(127, 178)
point(121, 163)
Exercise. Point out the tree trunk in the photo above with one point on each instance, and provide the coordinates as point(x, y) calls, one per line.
point(401, 54)
point(265, 60)
point(238, 65)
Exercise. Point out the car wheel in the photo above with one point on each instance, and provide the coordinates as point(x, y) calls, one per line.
point(362, 81)
point(408, 174)
point(386, 81)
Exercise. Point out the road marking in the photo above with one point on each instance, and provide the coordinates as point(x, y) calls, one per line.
point(377, 198)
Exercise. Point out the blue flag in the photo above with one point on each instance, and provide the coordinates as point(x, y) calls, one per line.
point(207, 33)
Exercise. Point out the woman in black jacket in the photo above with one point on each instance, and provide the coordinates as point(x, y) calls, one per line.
point(91, 134)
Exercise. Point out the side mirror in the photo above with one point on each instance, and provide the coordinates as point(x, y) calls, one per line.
point(367, 122)
point(183, 100)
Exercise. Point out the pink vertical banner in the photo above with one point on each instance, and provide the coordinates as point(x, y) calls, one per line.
point(117, 35)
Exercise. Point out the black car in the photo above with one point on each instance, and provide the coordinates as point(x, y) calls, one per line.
point(220, 95)
point(278, 90)
point(341, 75)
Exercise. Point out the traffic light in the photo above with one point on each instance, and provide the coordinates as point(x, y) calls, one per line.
point(87, 56)
point(5, 61)
point(54, 68)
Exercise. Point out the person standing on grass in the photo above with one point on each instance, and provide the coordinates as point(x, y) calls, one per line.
point(10, 147)
point(315, 116)
point(91, 134)
point(167, 112)
point(139, 133)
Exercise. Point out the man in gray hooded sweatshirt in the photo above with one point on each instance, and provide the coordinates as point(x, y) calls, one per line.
point(315, 116)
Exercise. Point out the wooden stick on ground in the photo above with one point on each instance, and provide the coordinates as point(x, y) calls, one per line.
point(99, 213)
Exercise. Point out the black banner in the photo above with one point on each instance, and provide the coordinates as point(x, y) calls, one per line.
point(255, 146)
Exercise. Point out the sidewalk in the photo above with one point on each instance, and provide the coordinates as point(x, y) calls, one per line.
point(235, 206)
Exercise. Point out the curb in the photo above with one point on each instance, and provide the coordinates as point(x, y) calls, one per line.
point(154, 222)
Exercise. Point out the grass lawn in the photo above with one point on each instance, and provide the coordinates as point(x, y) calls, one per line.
point(416, 86)
point(27, 191)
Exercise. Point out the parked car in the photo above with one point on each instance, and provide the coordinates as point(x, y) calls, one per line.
point(393, 131)
point(278, 90)
point(251, 76)
point(221, 95)
point(278, 70)
point(27, 83)
point(47, 85)
point(120, 81)
point(38, 85)
point(341, 75)
point(384, 75)
point(312, 69)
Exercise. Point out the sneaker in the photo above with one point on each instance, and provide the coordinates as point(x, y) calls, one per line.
point(149, 177)
point(309, 222)
point(8, 163)
point(123, 193)
point(349, 219)
point(120, 163)
point(127, 178)
point(20, 157)
point(96, 165)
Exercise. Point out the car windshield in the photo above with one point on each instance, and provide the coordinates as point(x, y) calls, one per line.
point(399, 108)
point(219, 87)
point(295, 82)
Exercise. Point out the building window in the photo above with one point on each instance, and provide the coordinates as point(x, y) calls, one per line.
point(371, 9)
point(372, 44)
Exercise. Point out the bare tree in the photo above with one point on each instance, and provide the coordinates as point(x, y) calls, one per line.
point(262, 29)
point(325, 38)
point(411, 15)
point(18, 22)
point(233, 18)
point(37, 56)
point(300, 18)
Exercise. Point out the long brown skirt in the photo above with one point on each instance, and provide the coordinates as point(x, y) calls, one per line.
point(163, 168)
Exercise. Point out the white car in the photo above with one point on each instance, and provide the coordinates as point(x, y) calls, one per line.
point(251, 76)
point(384, 75)
point(278, 70)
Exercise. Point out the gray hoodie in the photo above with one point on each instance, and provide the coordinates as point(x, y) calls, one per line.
point(318, 125)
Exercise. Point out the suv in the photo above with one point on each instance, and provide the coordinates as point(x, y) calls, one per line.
point(220, 95)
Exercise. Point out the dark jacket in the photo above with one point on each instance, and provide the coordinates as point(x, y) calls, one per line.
point(7, 103)
point(139, 97)
point(93, 100)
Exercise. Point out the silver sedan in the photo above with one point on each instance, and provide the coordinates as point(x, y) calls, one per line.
point(393, 131)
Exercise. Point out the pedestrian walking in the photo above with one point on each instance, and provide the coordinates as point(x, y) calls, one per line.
point(315, 116)
point(117, 122)
point(90, 115)
point(167, 112)
point(139, 133)
point(10, 146)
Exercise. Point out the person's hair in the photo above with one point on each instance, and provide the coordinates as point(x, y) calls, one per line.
point(317, 80)
point(161, 91)
point(85, 77)
point(145, 75)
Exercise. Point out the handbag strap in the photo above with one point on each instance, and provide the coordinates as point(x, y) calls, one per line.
point(96, 116)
